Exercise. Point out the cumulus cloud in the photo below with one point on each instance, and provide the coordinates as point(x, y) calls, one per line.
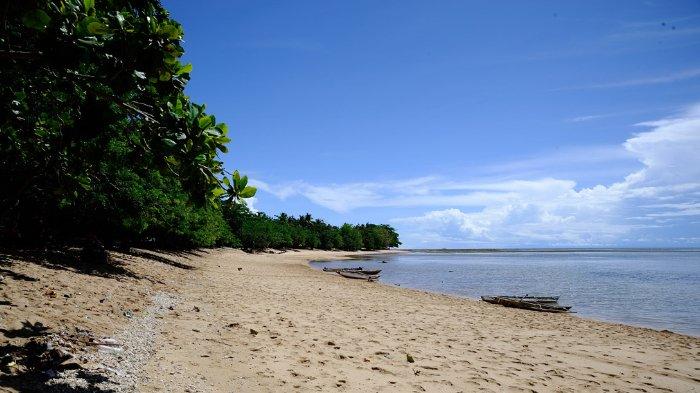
point(546, 210)
point(670, 154)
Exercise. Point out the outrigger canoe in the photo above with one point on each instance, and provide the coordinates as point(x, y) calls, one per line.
point(370, 272)
point(341, 269)
point(359, 276)
point(352, 270)
point(535, 299)
point(535, 303)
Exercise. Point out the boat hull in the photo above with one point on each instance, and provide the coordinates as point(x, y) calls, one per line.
point(352, 270)
point(358, 276)
point(341, 269)
point(543, 304)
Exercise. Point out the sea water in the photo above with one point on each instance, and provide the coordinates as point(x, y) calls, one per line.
point(659, 289)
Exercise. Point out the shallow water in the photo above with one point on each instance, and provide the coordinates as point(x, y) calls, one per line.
point(656, 289)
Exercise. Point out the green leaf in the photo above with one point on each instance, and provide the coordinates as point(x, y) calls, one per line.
point(218, 192)
point(243, 182)
point(89, 5)
point(88, 41)
point(205, 121)
point(171, 31)
point(226, 181)
point(164, 76)
point(236, 176)
point(36, 19)
point(223, 127)
point(169, 142)
point(120, 19)
point(186, 69)
point(248, 192)
point(98, 28)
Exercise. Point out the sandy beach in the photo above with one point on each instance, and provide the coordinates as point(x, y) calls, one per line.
point(266, 322)
point(271, 323)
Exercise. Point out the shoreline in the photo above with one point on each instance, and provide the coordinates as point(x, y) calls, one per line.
point(457, 296)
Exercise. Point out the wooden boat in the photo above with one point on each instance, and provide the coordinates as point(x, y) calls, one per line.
point(534, 299)
point(358, 276)
point(535, 303)
point(370, 272)
point(546, 307)
point(490, 299)
point(352, 270)
point(342, 269)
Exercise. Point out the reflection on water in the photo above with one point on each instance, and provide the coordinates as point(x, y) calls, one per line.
point(657, 289)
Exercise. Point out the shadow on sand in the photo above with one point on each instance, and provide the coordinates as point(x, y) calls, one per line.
point(30, 367)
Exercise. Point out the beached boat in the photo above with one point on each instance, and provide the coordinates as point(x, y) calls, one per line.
point(359, 276)
point(342, 269)
point(534, 299)
point(535, 303)
point(352, 270)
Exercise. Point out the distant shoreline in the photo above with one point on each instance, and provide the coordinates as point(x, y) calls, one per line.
point(495, 250)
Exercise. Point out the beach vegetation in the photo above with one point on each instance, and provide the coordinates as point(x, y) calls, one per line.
point(98, 139)
point(258, 231)
point(99, 143)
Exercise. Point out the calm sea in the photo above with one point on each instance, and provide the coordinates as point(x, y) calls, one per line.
point(653, 288)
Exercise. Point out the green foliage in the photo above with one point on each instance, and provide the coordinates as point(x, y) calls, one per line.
point(352, 237)
point(96, 134)
point(237, 188)
point(36, 19)
point(377, 237)
point(156, 210)
point(258, 231)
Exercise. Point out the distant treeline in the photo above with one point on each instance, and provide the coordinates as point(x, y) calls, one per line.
point(99, 144)
point(259, 231)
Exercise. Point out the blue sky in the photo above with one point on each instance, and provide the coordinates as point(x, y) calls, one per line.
point(462, 123)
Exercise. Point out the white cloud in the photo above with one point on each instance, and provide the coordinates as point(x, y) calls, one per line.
point(579, 119)
point(548, 210)
point(670, 153)
point(652, 80)
point(251, 202)
point(675, 209)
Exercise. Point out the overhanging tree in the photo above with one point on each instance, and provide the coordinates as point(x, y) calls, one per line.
point(95, 131)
